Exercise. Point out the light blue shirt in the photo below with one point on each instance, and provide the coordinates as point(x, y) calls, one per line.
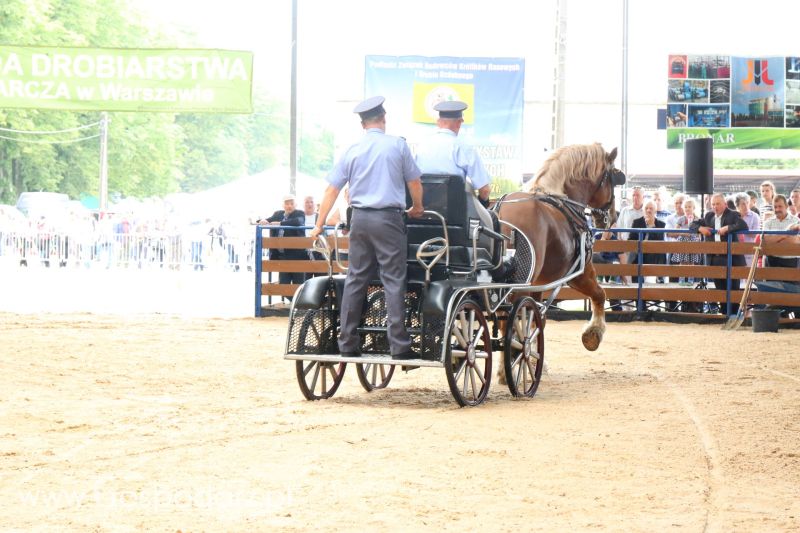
point(444, 153)
point(377, 168)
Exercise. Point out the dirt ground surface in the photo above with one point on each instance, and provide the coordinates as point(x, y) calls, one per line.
point(155, 422)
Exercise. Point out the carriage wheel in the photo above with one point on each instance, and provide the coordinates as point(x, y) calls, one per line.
point(374, 376)
point(468, 361)
point(524, 348)
point(318, 380)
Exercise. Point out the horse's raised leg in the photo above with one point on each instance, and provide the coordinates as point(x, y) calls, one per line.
point(594, 330)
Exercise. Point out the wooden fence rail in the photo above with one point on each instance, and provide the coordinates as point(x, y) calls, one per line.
point(639, 292)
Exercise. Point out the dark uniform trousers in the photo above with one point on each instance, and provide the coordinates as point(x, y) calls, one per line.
point(377, 238)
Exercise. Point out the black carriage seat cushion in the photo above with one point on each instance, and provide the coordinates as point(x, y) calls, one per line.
point(312, 293)
point(452, 197)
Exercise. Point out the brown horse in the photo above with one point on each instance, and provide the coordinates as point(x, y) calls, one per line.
point(584, 174)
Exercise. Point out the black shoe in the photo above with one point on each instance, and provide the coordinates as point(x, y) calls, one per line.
point(350, 354)
point(407, 355)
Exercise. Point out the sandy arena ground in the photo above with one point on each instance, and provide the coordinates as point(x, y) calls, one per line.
point(192, 424)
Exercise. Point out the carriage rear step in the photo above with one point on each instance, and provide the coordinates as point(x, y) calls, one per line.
point(376, 359)
point(383, 329)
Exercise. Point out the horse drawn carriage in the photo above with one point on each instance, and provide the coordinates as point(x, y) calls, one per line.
point(472, 278)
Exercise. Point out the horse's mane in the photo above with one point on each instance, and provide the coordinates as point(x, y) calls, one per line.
point(568, 166)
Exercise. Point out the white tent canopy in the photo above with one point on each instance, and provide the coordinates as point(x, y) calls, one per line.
point(252, 196)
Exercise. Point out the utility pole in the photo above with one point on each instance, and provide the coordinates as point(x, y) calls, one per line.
point(293, 107)
point(103, 161)
point(557, 121)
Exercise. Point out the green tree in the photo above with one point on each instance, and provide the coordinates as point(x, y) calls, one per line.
point(148, 153)
point(315, 152)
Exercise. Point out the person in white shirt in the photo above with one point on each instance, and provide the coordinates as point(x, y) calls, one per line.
point(625, 220)
point(631, 212)
point(782, 220)
point(310, 212)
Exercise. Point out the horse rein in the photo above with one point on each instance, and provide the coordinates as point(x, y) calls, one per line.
point(612, 176)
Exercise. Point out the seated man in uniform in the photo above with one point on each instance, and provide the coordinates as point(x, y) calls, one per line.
point(444, 153)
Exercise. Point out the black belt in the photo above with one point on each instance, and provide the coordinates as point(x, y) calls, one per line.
point(395, 209)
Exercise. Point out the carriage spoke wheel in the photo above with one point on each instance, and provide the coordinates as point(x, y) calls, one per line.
point(468, 361)
point(374, 376)
point(319, 380)
point(523, 348)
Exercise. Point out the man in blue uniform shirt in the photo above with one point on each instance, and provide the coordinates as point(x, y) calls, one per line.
point(377, 169)
point(444, 153)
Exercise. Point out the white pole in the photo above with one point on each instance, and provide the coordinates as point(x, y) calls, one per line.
point(557, 120)
point(103, 161)
point(624, 141)
point(293, 107)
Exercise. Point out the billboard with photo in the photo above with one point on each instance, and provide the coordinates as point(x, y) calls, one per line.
point(740, 102)
point(491, 87)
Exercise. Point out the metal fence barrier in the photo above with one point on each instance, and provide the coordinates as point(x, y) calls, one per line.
point(124, 250)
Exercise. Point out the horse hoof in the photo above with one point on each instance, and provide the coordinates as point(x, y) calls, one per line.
point(501, 378)
point(591, 339)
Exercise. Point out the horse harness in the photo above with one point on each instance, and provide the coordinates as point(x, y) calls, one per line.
point(574, 212)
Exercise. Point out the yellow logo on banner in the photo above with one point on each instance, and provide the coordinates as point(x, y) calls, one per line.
point(427, 95)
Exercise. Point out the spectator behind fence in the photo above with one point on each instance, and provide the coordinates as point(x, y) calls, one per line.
point(311, 215)
point(794, 196)
point(684, 223)
point(753, 201)
point(660, 198)
point(715, 226)
point(751, 219)
point(767, 197)
point(627, 215)
point(648, 221)
point(288, 216)
point(781, 221)
point(671, 222)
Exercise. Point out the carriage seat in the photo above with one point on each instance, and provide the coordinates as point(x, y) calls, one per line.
point(453, 197)
point(312, 293)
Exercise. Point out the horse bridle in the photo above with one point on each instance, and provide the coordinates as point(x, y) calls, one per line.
point(614, 177)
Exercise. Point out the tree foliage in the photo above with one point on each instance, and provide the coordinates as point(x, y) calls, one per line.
point(149, 154)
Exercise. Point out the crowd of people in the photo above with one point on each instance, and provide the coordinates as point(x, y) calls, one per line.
point(740, 214)
point(123, 240)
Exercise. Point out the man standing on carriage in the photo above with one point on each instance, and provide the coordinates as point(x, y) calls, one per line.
point(444, 153)
point(377, 169)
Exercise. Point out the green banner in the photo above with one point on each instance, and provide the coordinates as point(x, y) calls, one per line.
point(115, 79)
point(737, 137)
